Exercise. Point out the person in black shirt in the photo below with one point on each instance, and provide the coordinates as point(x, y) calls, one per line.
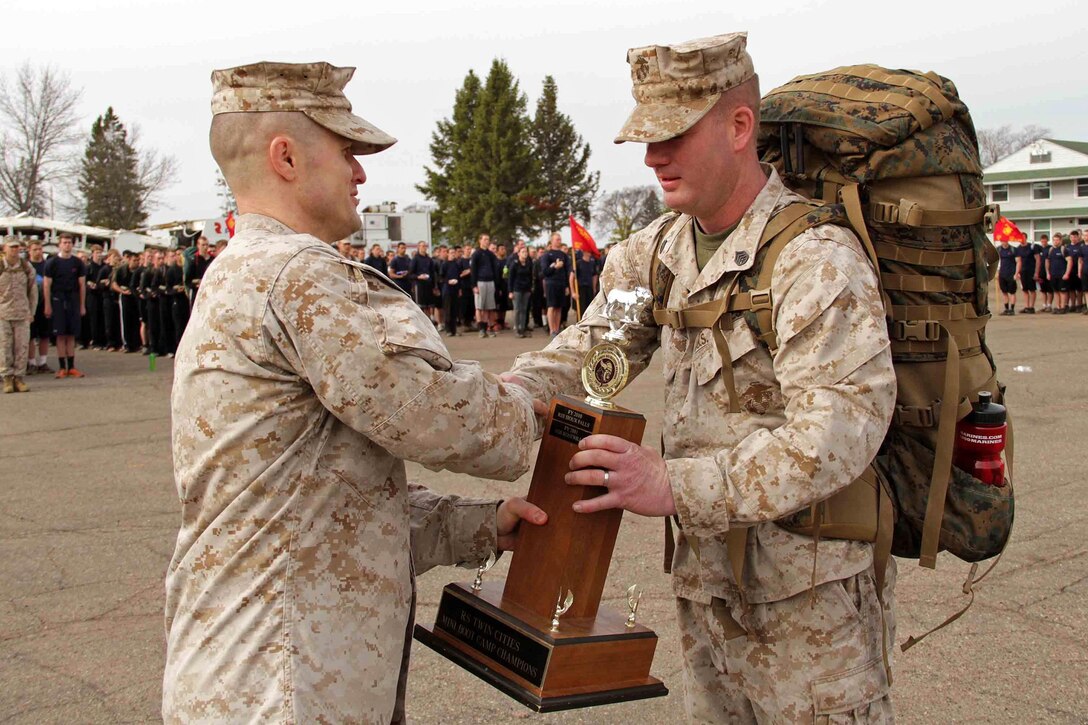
point(1055, 272)
point(194, 271)
point(1028, 256)
point(485, 273)
point(468, 300)
point(377, 259)
point(521, 279)
point(1074, 251)
point(125, 283)
point(583, 281)
point(400, 268)
point(41, 329)
point(1007, 271)
point(1041, 277)
point(95, 333)
point(178, 301)
point(111, 311)
point(537, 298)
point(450, 282)
point(65, 289)
point(422, 272)
point(555, 268)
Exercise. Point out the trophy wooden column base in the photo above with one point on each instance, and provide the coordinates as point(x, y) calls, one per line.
point(589, 661)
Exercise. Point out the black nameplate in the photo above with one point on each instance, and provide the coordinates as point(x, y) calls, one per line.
point(571, 425)
point(488, 636)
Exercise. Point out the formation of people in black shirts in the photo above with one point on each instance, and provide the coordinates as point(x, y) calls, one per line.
point(1056, 268)
point(473, 287)
point(139, 302)
point(118, 302)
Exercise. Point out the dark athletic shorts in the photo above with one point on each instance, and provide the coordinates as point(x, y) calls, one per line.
point(1073, 284)
point(554, 294)
point(66, 317)
point(1044, 286)
point(1028, 283)
point(1007, 285)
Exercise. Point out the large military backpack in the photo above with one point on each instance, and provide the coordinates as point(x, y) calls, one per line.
point(894, 156)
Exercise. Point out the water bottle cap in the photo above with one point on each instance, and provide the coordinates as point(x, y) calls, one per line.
point(987, 412)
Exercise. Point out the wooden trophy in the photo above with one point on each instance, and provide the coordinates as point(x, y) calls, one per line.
point(542, 638)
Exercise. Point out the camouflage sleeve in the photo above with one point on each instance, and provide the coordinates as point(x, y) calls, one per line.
point(376, 363)
point(835, 370)
point(450, 530)
point(557, 369)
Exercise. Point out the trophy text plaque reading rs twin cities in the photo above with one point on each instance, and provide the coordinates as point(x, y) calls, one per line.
point(542, 638)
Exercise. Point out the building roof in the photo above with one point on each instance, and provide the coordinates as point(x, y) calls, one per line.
point(1079, 146)
point(36, 224)
point(1069, 172)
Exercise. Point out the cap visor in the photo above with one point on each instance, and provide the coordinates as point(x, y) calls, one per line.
point(652, 122)
point(368, 138)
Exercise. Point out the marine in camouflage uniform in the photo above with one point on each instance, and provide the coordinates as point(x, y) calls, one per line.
point(800, 640)
point(18, 300)
point(303, 382)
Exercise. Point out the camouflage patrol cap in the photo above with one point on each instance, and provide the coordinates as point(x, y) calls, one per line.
point(315, 89)
point(675, 85)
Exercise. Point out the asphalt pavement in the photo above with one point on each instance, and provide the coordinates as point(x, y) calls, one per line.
point(89, 514)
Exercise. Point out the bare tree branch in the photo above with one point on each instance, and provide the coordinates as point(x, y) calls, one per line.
point(37, 128)
point(995, 144)
point(157, 172)
point(626, 210)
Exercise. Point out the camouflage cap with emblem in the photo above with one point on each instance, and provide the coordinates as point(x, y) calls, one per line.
point(675, 85)
point(314, 89)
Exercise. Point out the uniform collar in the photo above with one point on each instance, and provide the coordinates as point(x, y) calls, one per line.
point(736, 253)
point(261, 223)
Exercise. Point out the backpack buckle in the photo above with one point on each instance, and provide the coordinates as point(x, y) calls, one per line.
point(760, 299)
point(916, 416)
point(989, 219)
point(916, 330)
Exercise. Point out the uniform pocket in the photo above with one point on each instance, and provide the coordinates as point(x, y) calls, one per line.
point(835, 698)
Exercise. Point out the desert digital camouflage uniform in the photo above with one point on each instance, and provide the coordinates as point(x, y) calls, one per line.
point(301, 384)
point(811, 419)
point(18, 300)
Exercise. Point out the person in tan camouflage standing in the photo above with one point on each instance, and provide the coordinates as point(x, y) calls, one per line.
point(749, 436)
point(302, 383)
point(18, 300)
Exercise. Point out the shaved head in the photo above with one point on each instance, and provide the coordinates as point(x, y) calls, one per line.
point(746, 95)
point(240, 142)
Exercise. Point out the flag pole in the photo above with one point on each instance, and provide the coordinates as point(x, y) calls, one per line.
point(574, 264)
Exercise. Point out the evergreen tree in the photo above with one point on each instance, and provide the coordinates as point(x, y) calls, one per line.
point(498, 173)
point(563, 157)
point(109, 178)
point(448, 142)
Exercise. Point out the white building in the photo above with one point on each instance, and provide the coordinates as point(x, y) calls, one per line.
point(384, 225)
point(1043, 187)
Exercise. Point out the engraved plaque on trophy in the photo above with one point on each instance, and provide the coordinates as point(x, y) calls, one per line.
point(542, 637)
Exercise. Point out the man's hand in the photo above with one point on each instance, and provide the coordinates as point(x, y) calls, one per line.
point(637, 478)
point(48, 309)
point(509, 516)
point(83, 310)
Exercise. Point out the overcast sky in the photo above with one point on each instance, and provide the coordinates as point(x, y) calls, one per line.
point(1015, 63)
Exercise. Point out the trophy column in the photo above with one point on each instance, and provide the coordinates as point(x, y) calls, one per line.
point(543, 638)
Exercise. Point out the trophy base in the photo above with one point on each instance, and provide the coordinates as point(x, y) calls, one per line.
point(589, 661)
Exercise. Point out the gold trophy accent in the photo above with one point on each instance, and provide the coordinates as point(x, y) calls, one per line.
point(605, 368)
point(561, 607)
point(634, 596)
point(483, 569)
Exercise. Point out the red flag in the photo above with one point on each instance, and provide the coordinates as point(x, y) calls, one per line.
point(581, 240)
point(1006, 231)
point(230, 224)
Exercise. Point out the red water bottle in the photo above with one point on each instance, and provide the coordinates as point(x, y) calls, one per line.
point(980, 439)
